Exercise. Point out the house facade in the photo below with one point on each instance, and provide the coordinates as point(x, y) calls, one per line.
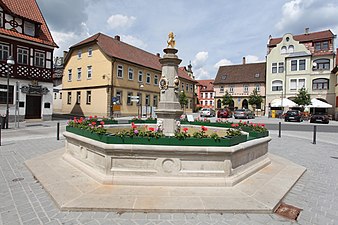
point(106, 77)
point(297, 61)
point(24, 35)
point(205, 94)
point(240, 81)
point(335, 73)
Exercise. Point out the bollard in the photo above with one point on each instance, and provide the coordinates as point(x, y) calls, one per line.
point(58, 131)
point(314, 134)
point(280, 129)
point(0, 133)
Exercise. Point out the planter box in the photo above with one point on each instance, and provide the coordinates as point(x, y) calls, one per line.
point(256, 134)
point(110, 121)
point(143, 121)
point(158, 141)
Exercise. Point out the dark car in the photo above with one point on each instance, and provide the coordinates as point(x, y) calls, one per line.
point(224, 113)
point(244, 114)
point(319, 118)
point(293, 115)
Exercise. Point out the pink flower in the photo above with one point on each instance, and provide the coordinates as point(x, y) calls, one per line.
point(102, 122)
point(93, 123)
point(135, 131)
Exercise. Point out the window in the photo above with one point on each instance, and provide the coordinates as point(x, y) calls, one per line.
point(221, 90)
point(320, 84)
point(148, 78)
point(60, 95)
point(182, 86)
point(79, 73)
point(211, 95)
point(129, 98)
point(325, 45)
point(274, 67)
point(130, 74)
point(210, 102)
point(69, 98)
point(119, 97)
point(293, 65)
point(245, 88)
point(321, 64)
point(291, 49)
point(156, 79)
point(39, 59)
point(301, 83)
point(139, 98)
point(231, 89)
point(89, 97)
point(79, 54)
point(319, 46)
point(120, 71)
point(90, 52)
point(3, 94)
point(55, 95)
point(22, 56)
point(302, 64)
point(70, 75)
point(283, 50)
point(258, 87)
point(147, 100)
point(78, 97)
point(293, 84)
point(89, 72)
point(155, 100)
point(29, 28)
point(187, 87)
point(281, 67)
point(140, 76)
point(1, 18)
point(4, 52)
point(277, 85)
point(191, 88)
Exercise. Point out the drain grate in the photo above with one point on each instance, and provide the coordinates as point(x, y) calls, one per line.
point(288, 211)
point(18, 179)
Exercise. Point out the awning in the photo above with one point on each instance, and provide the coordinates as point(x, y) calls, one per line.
point(284, 102)
point(316, 103)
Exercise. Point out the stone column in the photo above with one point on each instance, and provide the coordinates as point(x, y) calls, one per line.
point(169, 109)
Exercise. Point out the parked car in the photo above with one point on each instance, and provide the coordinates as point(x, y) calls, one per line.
point(319, 118)
point(224, 113)
point(207, 112)
point(293, 115)
point(244, 114)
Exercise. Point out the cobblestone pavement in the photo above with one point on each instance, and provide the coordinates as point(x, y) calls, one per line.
point(24, 201)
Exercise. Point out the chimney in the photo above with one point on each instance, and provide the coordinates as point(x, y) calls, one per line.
point(117, 37)
point(65, 54)
point(158, 55)
point(244, 61)
point(307, 30)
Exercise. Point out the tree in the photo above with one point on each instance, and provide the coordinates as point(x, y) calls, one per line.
point(303, 97)
point(227, 99)
point(183, 100)
point(255, 99)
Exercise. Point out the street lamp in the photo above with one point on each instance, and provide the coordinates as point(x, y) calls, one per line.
point(10, 62)
point(140, 85)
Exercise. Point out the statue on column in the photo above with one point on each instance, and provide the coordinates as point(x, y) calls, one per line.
point(171, 40)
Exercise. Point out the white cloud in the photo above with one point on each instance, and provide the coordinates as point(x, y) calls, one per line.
point(118, 20)
point(201, 74)
point(200, 60)
point(223, 62)
point(251, 59)
point(134, 41)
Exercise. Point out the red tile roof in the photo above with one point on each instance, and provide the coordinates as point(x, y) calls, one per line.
point(321, 35)
point(30, 10)
point(209, 84)
point(118, 49)
point(184, 74)
point(242, 73)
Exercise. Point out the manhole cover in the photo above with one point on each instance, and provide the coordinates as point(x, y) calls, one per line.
point(288, 211)
point(17, 179)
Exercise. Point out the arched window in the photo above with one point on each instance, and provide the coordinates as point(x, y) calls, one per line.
point(291, 49)
point(320, 84)
point(277, 85)
point(245, 104)
point(283, 50)
point(219, 104)
point(321, 64)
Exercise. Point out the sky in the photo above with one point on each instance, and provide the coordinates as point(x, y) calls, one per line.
point(208, 33)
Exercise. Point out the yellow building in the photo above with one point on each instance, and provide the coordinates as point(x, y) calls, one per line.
point(104, 76)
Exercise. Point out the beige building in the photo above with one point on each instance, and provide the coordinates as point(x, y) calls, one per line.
point(335, 72)
point(296, 61)
point(104, 76)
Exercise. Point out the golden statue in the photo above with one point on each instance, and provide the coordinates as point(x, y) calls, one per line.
point(171, 41)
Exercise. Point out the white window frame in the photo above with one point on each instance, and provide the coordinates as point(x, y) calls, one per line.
point(258, 87)
point(39, 59)
point(231, 89)
point(245, 88)
point(279, 82)
point(89, 72)
point(221, 89)
point(90, 52)
point(89, 97)
point(79, 73)
point(79, 54)
point(22, 53)
point(4, 51)
point(69, 74)
point(130, 73)
point(155, 79)
point(148, 78)
point(140, 76)
point(78, 97)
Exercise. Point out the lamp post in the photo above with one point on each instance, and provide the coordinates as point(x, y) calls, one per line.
point(10, 62)
point(140, 85)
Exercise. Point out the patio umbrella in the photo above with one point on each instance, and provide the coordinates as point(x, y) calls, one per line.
point(316, 103)
point(282, 103)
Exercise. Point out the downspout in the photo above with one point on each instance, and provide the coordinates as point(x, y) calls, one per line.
point(111, 112)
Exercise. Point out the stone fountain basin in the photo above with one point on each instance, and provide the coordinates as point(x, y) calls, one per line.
point(162, 165)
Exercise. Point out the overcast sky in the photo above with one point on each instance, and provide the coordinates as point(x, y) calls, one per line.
point(209, 33)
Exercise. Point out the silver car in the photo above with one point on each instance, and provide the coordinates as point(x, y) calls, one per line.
point(207, 112)
point(244, 114)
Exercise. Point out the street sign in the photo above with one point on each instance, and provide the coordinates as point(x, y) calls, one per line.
point(114, 99)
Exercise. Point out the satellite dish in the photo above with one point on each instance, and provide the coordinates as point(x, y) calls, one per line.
point(314, 64)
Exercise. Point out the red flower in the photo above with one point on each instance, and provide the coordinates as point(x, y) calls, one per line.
point(95, 116)
point(93, 123)
point(185, 129)
point(234, 125)
point(90, 117)
point(263, 125)
point(254, 124)
point(133, 125)
point(151, 129)
point(102, 122)
point(204, 128)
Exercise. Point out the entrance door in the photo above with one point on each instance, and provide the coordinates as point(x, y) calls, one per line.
point(33, 107)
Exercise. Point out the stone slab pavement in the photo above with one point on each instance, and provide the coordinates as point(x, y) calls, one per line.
point(24, 201)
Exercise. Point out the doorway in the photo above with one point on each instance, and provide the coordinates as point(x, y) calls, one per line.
point(33, 107)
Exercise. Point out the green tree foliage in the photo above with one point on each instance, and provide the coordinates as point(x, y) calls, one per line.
point(303, 97)
point(227, 99)
point(255, 98)
point(183, 99)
